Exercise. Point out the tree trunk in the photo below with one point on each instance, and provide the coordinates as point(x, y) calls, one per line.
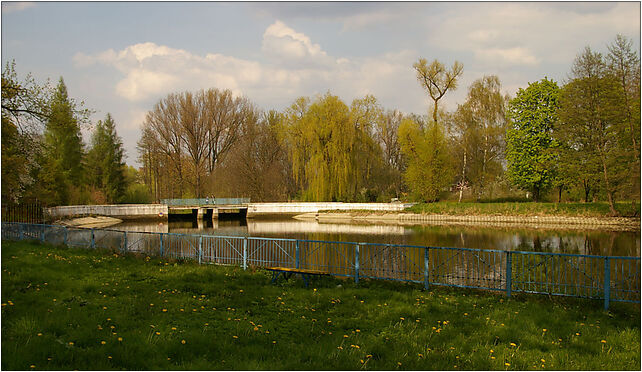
point(559, 194)
point(587, 190)
point(609, 192)
point(536, 194)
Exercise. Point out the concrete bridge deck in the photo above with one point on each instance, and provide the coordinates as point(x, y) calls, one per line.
point(249, 210)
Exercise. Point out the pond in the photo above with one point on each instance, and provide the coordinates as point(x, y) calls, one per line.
point(591, 242)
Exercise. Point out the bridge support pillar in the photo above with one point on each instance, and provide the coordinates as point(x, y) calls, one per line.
point(214, 214)
point(201, 212)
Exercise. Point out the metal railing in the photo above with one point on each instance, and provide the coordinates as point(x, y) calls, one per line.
point(205, 201)
point(608, 278)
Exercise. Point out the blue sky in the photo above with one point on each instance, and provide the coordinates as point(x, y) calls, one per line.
point(123, 57)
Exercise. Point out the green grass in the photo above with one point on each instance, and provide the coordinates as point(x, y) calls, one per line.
point(626, 209)
point(60, 304)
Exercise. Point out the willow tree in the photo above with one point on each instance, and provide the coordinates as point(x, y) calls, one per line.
point(328, 144)
point(437, 80)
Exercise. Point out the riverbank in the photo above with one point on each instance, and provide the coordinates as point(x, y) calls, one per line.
point(66, 308)
point(531, 209)
point(91, 222)
point(539, 222)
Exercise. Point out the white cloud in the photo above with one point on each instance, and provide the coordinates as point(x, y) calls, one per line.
point(513, 56)
point(288, 47)
point(529, 33)
point(151, 71)
point(16, 6)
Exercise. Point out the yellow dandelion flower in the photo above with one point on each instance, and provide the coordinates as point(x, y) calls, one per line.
point(274, 341)
point(183, 342)
point(256, 328)
point(235, 336)
point(507, 364)
point(577, 334)
point(164, 310)
point(398, 363)
point(340, 347)
point(513, 344)
point(357, 330)
point(102, 342)
point(39, 334)
point(544, 330)
point(345, 336)
point(120, 339)
point(173, 328)
point(71, 343)
point(543, 360)
point(32, 366)
point(603, 341)
point(157, 333)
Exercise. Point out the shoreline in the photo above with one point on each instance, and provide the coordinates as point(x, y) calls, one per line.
point(90, 222)
point(541, 222)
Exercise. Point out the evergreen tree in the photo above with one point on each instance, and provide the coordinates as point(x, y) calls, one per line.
point(105, 165)
point(62, 163)
point(531, 161)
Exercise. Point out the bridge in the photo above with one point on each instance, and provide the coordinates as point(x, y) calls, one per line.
point(206, 208)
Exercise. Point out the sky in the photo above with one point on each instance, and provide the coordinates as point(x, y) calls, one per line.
point(123, 57)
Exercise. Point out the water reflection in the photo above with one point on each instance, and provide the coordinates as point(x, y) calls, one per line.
point(591, 242)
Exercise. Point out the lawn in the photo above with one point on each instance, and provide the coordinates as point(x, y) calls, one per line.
point(598, 209)
point(65, 308)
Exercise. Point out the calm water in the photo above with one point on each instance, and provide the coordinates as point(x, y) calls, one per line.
point(525, 239)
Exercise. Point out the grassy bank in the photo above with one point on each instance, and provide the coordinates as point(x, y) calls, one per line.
point(624, 209)
point(68, 308)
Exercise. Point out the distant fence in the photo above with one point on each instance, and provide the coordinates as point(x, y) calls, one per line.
point(24, 212)
point(205, 201)
point(606, 278)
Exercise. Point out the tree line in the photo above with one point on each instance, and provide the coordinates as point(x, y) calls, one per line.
point(579, 140)
point(44, 157)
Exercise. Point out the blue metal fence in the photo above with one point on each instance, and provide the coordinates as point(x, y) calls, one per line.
point(205, 201)
point(607, 278)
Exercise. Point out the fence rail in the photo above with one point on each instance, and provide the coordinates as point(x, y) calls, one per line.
point(205, 201)
point(606, 278)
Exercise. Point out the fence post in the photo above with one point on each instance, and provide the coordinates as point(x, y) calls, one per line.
point(93, 239)
point(22, 231)
point(297, 256)
point(356, 263)
point(42, 234)
point(124, 242)
point(245, 253)
point(161, 244)
point(509, 272)
point(200, 249)
point(426, 268)
point(607, 283)
point(66, 236)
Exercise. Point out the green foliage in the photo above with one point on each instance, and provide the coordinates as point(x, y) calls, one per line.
point(62, 163)
point(59, 304)
point(105, 165)
point(591, 123)
point(330, 146)
point(531, 161)
point(437, 80)
point(478, 129)
point(429, 169)
point(526, 208)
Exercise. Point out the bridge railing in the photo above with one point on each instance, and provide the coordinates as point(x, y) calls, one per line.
point(205, 201)
point(607, 278)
